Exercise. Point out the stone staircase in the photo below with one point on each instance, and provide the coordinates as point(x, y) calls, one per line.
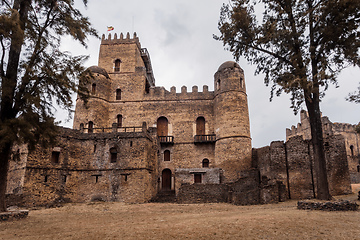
point(167, 196)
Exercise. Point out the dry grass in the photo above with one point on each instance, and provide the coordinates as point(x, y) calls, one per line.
point(183, 221)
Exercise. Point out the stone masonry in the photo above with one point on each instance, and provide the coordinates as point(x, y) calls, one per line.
point(133, 140)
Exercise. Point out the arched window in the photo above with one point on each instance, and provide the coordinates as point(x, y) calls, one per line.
point(55, 155)
point(93, 88)
point(118, 94)
point(119, 120)
point(218, 84)
point(205, 163)
point(200, 126)
point(90, 127)
point(113, 155)
point(117, 65)
point(352, 150)
point(166, 155)
point(162, 126)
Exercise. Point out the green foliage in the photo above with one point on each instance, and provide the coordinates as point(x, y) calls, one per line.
point(354, 97)
point(34, 73)
point(300, 45)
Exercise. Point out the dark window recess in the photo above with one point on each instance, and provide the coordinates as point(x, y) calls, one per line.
point(218, 84)
point(91, 127)
point(131, 143)
point(205, 163)
point(55, 157)
point(64, 178)
point(113, 155)
point(358, 168)
point(119, 120)
point(93, 88)
point(118, 94)
point(352, 150)
point(46, 178)
point(197, 178)
point(97, 178)
point(94, 147)
point(117, 65)
point(166, 155)
point(147, 86)
point(125, 178)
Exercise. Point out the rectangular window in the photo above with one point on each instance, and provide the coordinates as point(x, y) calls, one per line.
point(197, 178)
point(55, 157)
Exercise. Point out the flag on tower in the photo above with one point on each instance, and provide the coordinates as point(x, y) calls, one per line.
point(110, 28)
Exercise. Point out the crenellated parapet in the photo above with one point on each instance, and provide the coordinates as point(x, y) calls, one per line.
point(160, 93)
point(120, 40)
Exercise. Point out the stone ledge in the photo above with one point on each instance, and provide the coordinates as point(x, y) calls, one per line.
point(328, 206)
point(12, 215)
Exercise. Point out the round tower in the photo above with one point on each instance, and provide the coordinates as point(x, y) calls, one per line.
point(232, 126)
point(95, 113)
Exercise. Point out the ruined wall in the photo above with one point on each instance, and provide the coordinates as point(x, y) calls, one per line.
point(85, 170)
point(352, 139)
point(291, 163)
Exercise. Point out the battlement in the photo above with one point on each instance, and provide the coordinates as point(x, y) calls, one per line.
point(160, 93)
point(122, 40)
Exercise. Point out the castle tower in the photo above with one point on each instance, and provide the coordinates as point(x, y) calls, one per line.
point(124, 73)
point(232, 126)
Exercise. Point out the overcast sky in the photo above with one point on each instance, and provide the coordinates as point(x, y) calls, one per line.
point(178, 35)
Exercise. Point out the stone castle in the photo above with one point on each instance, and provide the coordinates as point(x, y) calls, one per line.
point(133, 141)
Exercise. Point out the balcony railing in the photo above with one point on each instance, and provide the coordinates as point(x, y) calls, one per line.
point(205, 138)
point(166, 139)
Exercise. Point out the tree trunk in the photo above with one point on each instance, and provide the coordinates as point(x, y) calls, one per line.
point(4, 165)
point(322, 186)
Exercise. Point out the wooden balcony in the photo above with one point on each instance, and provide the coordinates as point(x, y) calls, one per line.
point(166, 139)
point(205, 138)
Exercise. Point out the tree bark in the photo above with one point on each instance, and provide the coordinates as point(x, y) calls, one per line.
point(4, 165)
point(322, 186)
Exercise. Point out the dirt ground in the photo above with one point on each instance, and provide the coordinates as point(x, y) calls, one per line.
point(184, 221)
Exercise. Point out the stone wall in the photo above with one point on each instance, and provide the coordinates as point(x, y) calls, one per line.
point(85, 170)
point(291, 163)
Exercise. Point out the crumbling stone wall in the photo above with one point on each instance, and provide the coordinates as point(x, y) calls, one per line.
point(351, 139)
point(291, 163)
point(85, 170)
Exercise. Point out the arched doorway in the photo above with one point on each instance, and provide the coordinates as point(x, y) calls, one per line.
point(162, 126)
point(200, 126)
point(166, 179)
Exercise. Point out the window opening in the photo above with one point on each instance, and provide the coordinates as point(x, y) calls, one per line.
point(113, 155)
point(118, 94)
point(197, 178)
point(218, 84)
point(119, 120)
point(200, 126)
point(166, 155)
point(55, 157)
point(125, 178)
point(131, 143)
point(94, 147)
point(93, 88)
point(147, 86)
point(162, 126)
point(64, 178)
point(205, 163)
point(46, 178)
point(91, 127)
point(117, 65)
point(352, 150)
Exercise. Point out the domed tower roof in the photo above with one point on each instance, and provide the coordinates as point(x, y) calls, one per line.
point(229, 64)
point(99, 70)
